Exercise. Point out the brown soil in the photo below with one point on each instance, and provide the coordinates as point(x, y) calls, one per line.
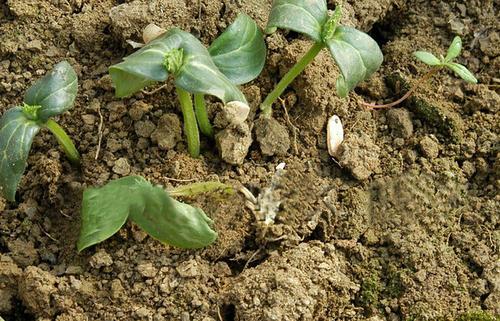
point(403, 226)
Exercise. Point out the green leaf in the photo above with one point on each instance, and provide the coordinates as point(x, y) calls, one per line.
point(357, 55)
point(55, 92)
point(106, 209)
point(427, 58)
point(462, 72)
point(198, 73)
point(454, 49)
point(240, 51)
point(16, 136)
point(303, 16)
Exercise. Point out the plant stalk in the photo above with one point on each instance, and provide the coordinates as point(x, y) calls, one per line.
point(202, 115)
point(65, 142)
point(190, 125)
point(267, 104)
point(419, 82)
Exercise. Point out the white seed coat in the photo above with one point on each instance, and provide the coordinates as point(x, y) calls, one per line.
point(237, 111)
point(151, 32)
point(334, 135)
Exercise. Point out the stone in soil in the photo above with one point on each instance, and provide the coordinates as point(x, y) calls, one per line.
point(400, 122)
point(273, 137)
point(168, 132)
point(233, 143)
point(360, 155)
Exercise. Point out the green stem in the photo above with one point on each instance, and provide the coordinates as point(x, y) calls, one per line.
point(266, 106)
point(190, 126)
point(65, 142)
point(202, 115)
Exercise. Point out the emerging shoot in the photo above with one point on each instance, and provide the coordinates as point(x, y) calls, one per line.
point(357, 54)
point(48, 97)
point(436, 65)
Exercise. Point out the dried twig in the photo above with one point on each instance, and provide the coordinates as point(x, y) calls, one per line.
point(99, 131)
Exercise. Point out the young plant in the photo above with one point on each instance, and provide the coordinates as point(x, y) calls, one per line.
point(181, 55)
point(48, 97)
point(356, 53)
point(106, 209)
point(240, 54)
point(436, 65)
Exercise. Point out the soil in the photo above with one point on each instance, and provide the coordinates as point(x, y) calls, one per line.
point(404, 225)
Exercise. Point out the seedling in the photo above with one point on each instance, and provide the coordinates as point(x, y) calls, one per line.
point(48, 97)
point(240, 54)
point(436, 65)
point(183, 56)
point(356, 53)
point(106, 209)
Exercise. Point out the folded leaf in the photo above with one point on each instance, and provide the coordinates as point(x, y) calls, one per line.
point(303, 16)
point(357, 55)
point(106, 209)
point(462, 72)
point(240, 51)
point(16, 136)
point(427, 58)
point(454, 49)
point(55, 92)
point(198, 73)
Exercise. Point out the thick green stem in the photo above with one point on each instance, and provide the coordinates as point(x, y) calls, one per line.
point(65, 142)
point(190, 126)
point(202, 115)
point(266, 106)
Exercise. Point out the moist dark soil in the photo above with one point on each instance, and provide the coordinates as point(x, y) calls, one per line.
point(403, 225)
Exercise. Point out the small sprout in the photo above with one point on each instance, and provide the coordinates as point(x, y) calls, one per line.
point(48, 97)
point(266, 205)
point(106, 209)
point(235, 57)
point(334, 135)
point(356, 53)
point(436, 64)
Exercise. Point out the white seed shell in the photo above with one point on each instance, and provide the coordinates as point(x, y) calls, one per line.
point(237, 112)
point(151, 32)
point(334, 135)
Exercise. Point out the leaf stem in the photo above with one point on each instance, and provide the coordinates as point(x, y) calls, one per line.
point(190, 126)
point(419, 82)
point(202, 115)
point(65, 142)
point(266, 106)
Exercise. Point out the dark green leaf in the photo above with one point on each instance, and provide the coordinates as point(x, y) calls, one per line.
point(198, 73)
point(462, 72)
point(454, 49)
point(106, 209)
point(357, 55)
point(55, 92)
point(427, 58)
point(16, 136)
point(240, 51)
point(303, 16)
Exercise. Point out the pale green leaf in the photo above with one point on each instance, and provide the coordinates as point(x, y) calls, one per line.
point(55, 92)
point(462, 72)
point(16, 135)
point(427, 58)
point(106, 209)
point(303, 16)
point(198, 73)
point(240, 51)
point(454, 49)
point(357, 55)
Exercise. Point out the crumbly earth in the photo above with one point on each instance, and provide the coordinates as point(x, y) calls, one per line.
point(403, 226)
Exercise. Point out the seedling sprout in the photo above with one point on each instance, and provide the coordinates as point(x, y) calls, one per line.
point(106, 209)
point(357, 54)
point(436, 65)
point(48, 97)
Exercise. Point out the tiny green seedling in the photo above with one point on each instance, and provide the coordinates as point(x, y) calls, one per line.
point(48, 97)
point(356, 53)
point(436, 64)
point(195, 70)
point(106, 209)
